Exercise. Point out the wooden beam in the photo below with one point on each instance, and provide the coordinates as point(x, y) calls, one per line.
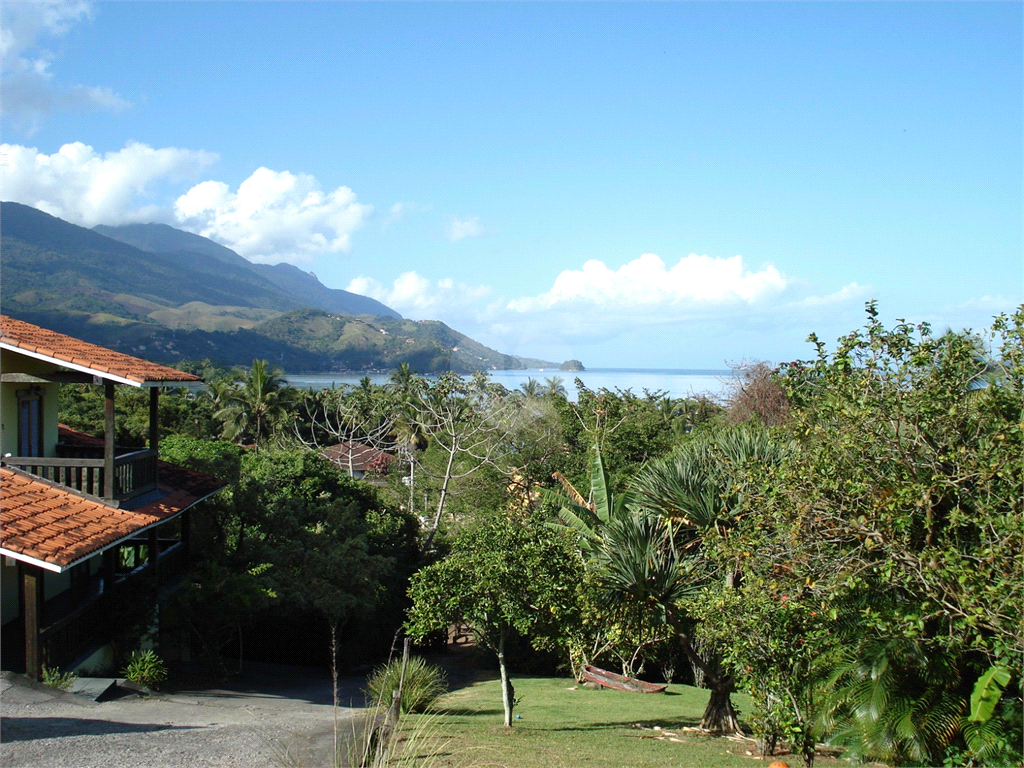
point(31, 588)
point(108, 435)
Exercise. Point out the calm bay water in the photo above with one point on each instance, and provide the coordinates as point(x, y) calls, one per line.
point(674, 383)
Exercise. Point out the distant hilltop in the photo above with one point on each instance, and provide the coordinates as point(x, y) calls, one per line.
point(167, 295)
point(571, 365)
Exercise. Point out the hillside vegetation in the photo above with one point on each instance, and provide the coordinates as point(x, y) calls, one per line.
point(160, 293)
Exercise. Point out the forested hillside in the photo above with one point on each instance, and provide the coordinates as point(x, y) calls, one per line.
point(169, 295)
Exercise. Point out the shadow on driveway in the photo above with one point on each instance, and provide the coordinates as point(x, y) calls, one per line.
point(31, 728)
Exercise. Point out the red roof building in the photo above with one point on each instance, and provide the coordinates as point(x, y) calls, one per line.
point(81, 518)
point(358, 459)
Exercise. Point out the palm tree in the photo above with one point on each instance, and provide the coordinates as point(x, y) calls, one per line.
point(696, 489)
point(554, 387)
point(896, 701)
point(531, 388)
point(256, 405)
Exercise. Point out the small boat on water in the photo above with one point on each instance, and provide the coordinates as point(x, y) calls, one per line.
point(607, 679)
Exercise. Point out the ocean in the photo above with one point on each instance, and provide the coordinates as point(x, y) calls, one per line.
point(676, 383)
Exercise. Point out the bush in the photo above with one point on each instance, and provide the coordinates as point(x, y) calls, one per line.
point(424, 683)
point(145, 668)
point(57, 679)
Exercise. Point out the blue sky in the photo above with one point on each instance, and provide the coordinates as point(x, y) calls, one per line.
point(667, 185)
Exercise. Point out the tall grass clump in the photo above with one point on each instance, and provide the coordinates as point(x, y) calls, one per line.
point(54, 678)
point(423, 684)
point(145, 668)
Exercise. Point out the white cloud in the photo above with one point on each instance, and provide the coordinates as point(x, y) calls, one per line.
point(274, 216)
point(419, 298)
point(647, 282)
point(697, 313)
point(30, 88)
point(78, 184)
point(845, 294)
point(462, 228)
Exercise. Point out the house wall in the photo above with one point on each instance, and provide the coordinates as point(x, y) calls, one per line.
point(12, 362)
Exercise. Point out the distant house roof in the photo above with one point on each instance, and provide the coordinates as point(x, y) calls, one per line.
point(55, 527)
point(362, 456)
point(69, 352)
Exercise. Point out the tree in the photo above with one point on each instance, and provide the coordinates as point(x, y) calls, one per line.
point(901, 517)
point(554, 386)
point(531, 388)
point(504, 575)
point(755, 393)
point(466, 424)
point(361, 414)
point(255, 406)
point(697, 489)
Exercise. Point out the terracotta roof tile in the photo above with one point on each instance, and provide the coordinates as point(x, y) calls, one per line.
point(61, 348)
point(55, 524)
point(362, 456)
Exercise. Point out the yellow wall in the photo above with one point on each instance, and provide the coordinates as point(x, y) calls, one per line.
point(12, 362)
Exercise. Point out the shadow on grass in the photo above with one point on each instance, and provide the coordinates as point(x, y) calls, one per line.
point(666, 724)
point(458, 712)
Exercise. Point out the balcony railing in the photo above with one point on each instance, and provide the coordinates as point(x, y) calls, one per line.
point(74, 624)
point(83, 469)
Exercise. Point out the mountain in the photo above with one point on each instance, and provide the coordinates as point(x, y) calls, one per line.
point(201, 300)
point(303, 286)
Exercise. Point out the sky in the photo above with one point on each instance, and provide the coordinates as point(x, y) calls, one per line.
point(662, 185)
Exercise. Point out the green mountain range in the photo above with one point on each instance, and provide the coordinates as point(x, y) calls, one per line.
point(166, 295)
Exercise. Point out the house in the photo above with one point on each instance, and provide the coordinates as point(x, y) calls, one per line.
point(86, 526)
point(358, 459)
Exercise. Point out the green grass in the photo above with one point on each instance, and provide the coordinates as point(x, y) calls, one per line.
point(563, 724)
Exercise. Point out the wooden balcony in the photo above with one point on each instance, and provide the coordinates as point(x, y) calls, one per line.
point(78, 621)
point(84, 469)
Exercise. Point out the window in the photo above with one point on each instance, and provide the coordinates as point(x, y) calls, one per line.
point(30, 422)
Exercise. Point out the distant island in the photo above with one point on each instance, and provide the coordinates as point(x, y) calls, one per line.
point(571, 365)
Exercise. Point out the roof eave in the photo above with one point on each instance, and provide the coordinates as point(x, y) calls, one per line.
point(98, 373)
point(56, 568)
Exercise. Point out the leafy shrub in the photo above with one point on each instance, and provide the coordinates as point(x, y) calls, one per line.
point(424, 683)
point(145, 668)
point(57, 679)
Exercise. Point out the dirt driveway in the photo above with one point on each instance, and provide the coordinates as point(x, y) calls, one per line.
point(271, 716)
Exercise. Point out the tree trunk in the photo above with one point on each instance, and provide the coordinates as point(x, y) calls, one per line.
point(444, 494)
point(719, 715)
point(507, 691)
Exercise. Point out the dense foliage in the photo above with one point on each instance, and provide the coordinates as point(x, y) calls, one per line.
point(841, 538)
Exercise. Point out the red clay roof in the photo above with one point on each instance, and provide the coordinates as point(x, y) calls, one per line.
point(362, 456)
point(56, 525)
point(100, 360)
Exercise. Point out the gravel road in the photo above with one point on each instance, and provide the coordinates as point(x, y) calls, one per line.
point(272, 716)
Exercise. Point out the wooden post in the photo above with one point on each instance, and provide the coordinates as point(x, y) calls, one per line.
point(108, 445)
point(30, 587)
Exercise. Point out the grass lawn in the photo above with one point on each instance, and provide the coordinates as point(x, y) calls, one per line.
point(563, 724)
